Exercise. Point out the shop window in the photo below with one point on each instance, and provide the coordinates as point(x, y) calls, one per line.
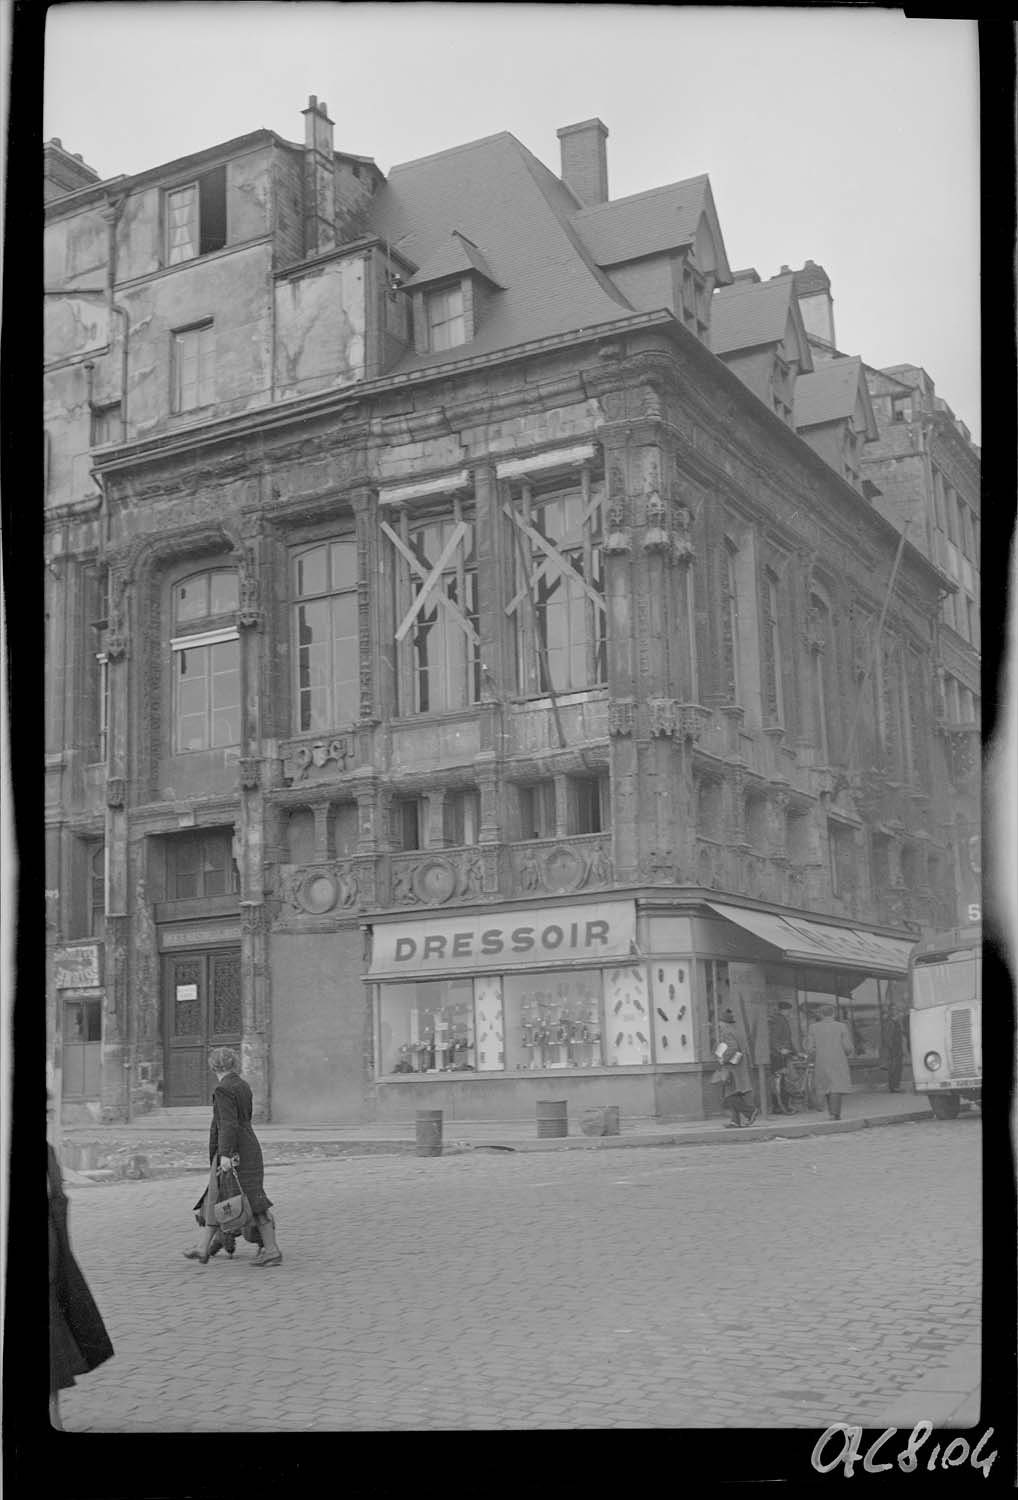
point(537, 810)
point(462, 818)
point(326, 637)
point(200, 864)
point(588, 804)
point(553, 1020)
point(717, 994)
point(430, 1026)
point(195, 217)
point(436, 620)
point(408, 823)
point(82, 1048)
point(206, 662)
point(558, 604)
point(193, 369)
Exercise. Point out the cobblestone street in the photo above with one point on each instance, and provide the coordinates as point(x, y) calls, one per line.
point(788, 1283)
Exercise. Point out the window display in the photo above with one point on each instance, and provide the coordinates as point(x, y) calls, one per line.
point(428, 1027)
point(627, 1018)
point(553, 1020)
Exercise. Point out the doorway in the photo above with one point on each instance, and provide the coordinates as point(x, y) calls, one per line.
point(201, 1009)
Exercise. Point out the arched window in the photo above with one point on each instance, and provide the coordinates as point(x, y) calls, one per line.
point(326, 642)
point(206, 662)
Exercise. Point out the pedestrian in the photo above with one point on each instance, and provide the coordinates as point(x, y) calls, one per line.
point(779, 1038)
point(78, 1340)
point(733, 1074)
point(232, 1142)
point(830, 1047)
point(892, 1047)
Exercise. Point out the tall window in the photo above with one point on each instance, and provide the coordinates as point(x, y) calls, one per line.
point(105, 424)
point(772, 650)
point(206, 662)
point(730, 619)
point(200, 864)
point(559, 600)
point(588, 804)
point(446, 325)
point(537, 810)
point(97, 891)
point(820, 654)
point(195, 217)
point(325, 634)
point(408, 823)
point(193, 368)
point(438, 647)
point(717, 996)
point(461, 813)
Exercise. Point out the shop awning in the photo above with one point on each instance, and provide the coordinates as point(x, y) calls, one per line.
point(801, 940)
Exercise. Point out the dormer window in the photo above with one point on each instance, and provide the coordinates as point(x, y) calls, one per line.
point(446, 323)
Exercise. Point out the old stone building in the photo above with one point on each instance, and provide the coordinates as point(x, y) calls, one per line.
point(458, 678)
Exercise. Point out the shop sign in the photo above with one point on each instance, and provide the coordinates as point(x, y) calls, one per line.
point(77, 966)
point(506, 940)
point(198, 934)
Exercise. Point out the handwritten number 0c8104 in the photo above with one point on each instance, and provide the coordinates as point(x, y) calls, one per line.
point(955, 1453)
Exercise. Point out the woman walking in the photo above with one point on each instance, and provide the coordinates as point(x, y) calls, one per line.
point(232, 1142)
point(78, 1340)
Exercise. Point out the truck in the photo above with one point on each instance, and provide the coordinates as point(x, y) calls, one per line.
point(945, 1019)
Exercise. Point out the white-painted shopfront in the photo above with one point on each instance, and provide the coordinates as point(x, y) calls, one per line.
point(483, 1014)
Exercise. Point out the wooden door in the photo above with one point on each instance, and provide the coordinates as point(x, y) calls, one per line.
point(201, 1009)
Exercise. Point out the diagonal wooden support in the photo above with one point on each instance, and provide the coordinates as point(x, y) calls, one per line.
point(431, 582)
point(554, 559)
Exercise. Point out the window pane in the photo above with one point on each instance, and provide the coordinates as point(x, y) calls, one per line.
point(343, 557)
point(181, 224)
point(226, 694)
point(310, 572)
point(92, 1021)
point(553, 1020)
point(191, 598)
point(428, 1027)
point(224, 592)
point(345, 661)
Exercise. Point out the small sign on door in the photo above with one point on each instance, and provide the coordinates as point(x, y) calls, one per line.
point(187, 992)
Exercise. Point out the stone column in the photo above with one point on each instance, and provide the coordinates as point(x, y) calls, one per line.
point(118, 1049)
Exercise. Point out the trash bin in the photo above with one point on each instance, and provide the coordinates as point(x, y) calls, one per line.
point(601, 1119)
point(429, 1132)
point(551, 1119)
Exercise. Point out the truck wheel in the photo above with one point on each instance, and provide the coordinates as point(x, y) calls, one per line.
point(945, 1106)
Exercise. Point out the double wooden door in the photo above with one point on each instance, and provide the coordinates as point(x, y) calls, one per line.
point(201, 1010)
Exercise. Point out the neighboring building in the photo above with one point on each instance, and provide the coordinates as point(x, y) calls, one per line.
point(457, 678)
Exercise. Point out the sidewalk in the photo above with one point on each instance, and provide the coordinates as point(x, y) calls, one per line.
point(164, 1144)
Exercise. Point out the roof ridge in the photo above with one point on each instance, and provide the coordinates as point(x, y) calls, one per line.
point(665, 187)
point(484, 140)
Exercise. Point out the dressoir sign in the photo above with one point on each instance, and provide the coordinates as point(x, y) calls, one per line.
point(581, 934)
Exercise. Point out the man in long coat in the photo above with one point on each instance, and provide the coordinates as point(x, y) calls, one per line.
point(893, 1048)
point(830, 1047)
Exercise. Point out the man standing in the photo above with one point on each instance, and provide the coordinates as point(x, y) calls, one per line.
point(893, 1047)
point(734, 1076)
point(779, 1038)
point(830, 1047)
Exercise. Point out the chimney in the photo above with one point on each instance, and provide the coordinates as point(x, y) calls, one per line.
point(813, 292)
point(750, 275)
point(584, 161)
point(63, 173)
point(319, 179)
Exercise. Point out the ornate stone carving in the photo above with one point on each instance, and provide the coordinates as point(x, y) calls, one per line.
point(692, 720)
point(617, 540)
point(249, 772)
point(116, 626)
point(561, 867)
point(321, 889)
point(663, 715)
point(340, 748)
point(249, 612)
point(116, 791)
point(656, 537)
point(621, 716)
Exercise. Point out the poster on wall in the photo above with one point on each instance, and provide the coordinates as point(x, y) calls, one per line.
point(673, 1011)
point(749, 1002)
point(626, 1017)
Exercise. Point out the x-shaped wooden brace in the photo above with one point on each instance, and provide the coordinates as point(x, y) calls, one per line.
point(431, 582)
point(553, 560)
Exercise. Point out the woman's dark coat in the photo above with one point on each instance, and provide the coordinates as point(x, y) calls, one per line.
point(78, 1340)
point(231, 1135)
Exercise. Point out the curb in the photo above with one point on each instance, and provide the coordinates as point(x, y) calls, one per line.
point(333, 1151)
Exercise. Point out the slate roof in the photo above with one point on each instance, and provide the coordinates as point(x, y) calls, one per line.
point(749, 314)
point(650, 223)
point(830, 393)
point(500, 196)
point(456, 255)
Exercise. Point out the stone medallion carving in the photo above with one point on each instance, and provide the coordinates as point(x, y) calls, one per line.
point(318, 893)
point(435, 880)
point(563, 869)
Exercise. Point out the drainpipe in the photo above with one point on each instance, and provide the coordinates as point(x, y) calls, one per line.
point(112, 216)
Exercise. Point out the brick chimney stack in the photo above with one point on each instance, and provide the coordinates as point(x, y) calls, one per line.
point(585, 161)
point(319, 179)
point(63, 172)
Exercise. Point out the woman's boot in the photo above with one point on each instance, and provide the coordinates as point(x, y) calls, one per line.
point(270, 1253)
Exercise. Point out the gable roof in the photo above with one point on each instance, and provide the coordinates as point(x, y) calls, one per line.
point(749, 314)
point(453, 257)
point(512, 205)
point(650, 223)
point(831, 392)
